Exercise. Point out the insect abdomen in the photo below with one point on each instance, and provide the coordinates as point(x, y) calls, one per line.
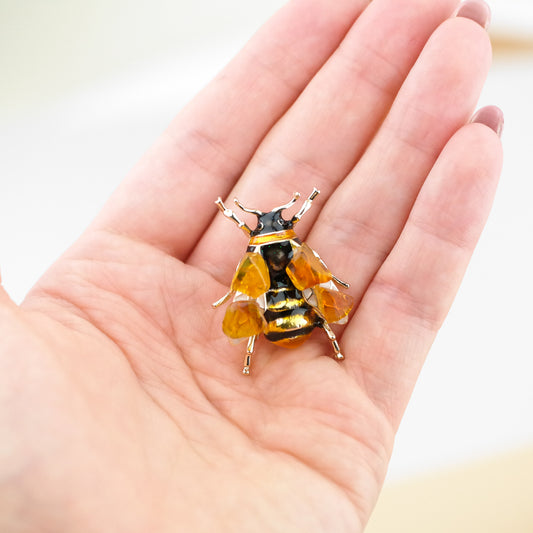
point(290, 319)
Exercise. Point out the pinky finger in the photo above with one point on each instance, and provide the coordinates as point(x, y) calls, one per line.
point(412, 292)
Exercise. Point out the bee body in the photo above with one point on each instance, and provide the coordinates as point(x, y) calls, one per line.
point(281, 288)
point(289, 318)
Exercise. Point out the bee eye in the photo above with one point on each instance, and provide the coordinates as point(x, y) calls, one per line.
point(280, 221)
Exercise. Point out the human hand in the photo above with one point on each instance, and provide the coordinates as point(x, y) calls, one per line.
point(123, 405)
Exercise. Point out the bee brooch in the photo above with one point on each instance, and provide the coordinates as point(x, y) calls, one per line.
point(281, 287)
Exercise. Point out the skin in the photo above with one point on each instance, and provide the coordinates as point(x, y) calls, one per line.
point(123, 407)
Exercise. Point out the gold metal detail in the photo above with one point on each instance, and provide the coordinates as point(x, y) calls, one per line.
point(224, 299)
point(248, 356)
point(228, 213)
point(306, 206)
point(334, 343)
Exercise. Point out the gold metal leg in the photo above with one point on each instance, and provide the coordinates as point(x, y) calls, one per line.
point(335, 278)
point(341, 283)
point(223, 300)
point(248, 356)
point(228, 213)
point(333, 339)
point(306, 206)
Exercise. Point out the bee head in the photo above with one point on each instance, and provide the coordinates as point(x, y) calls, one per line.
point(271, 221)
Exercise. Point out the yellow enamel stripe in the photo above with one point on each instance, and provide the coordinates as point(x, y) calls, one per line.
point(272, 237)
point(287, 303)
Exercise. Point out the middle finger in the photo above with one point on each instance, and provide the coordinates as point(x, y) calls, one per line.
point(326, 131)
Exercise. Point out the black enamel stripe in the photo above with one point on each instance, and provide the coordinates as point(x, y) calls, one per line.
point(275, 336)
point(271, 316)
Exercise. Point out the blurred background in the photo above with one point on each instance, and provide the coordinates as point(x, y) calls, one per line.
point(86, 87)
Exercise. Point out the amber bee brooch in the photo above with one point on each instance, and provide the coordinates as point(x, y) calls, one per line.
point(281, 287)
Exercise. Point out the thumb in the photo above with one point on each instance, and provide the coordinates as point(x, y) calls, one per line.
point(5, 299)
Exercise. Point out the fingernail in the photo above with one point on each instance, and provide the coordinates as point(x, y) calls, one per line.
point(476, 10)
point(490, 116)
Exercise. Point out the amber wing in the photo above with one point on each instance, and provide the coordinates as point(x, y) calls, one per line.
point(307, 271)
point(252, 277)
point(243, 318)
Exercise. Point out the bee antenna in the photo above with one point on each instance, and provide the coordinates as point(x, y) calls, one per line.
point(295, 197)
point(247, 210)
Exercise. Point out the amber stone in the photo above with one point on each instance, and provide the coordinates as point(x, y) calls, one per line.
point(243, 319)
point(306, 270)
point(251, 277)
point(333, 305)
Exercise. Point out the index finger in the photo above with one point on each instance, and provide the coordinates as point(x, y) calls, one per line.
point(208, 145)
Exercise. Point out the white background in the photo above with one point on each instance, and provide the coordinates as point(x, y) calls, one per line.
point(86, 87)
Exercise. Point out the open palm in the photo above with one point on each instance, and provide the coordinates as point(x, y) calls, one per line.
point(124, 408)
